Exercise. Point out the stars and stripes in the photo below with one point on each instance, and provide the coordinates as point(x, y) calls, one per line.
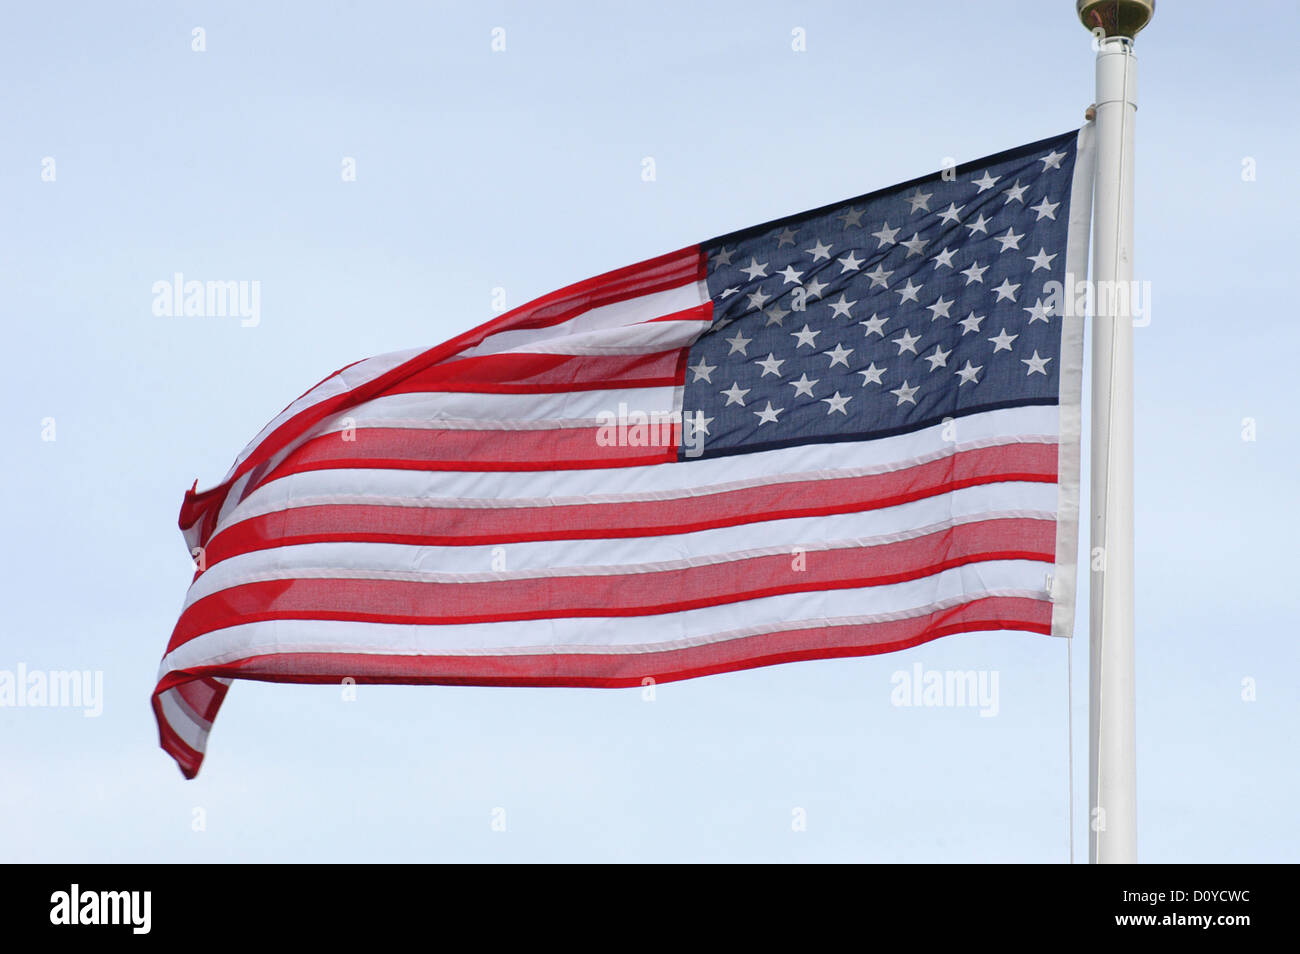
point(846, 432)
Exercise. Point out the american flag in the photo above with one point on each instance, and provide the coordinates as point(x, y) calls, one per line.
point(848, 431)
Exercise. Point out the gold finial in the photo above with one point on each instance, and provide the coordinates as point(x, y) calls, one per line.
point(1116, 17)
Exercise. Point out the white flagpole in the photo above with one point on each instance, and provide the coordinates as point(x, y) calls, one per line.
point(1112, 730)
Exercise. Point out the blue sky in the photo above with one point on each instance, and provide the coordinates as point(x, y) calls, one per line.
point(521, 169)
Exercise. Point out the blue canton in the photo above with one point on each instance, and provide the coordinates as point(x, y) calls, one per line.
point(889, 312)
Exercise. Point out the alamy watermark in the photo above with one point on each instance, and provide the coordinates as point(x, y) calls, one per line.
point(25, 688)
point(630, 428)
point(946, 689)
point(76, 906)
point(1080, 297)
point(210, 299)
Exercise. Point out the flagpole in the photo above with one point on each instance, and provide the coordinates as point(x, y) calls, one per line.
point(1112, 748)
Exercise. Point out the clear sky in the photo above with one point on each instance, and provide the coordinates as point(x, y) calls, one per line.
point(522, 169)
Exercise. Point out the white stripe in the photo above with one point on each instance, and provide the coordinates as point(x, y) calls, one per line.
point(433, 409)
point(634, 339)
point(628, 634)
point(650, 482)
point(628, 554)
point(619, 314)
point(182, 723)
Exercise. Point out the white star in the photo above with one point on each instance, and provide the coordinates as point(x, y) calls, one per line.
point(971, 323)
point(875, 325)
point(1010, 239)
point(906, 395)
point(1045, 209)
point(986, 181)
point(886, 235)
point(1006, 291)
point(939, 359)
point(968, 373)
point(907, 292)
point(914, 245)
point(940, 308)
point(1036, 364)
point(950, 214)
point(723, 257)
point(944, 258)
point(770, 365)
point(1052, 161)
point(919, 200)
point(757, 299)
point(850, 218)
point(841, 307)
point(1003, 341)
point(791, 276)
point(1041, 260)
point(981, 224)
point(879, 277)
point(775, 314)
point(814, 288)
point(907, 342)
point(803, 385)
point(837, 404)
point(727, 292)
point(768, 414)
point(786, 237)
point(702, 371)
point(735, 395)
point(819, 251)
point(1040, 312)
point(975, 273)
point(849, 263)
point(739, 343)
point(755, 270)
point(806, 337)
point(1016, 193)
point(872, 375)
point(699, 423)
point(839, 355)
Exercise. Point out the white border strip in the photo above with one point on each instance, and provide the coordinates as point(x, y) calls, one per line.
point(1065, 577)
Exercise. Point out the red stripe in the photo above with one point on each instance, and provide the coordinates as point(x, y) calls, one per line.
point(617, 670)
point(204, 695)
point(657, 274)
point(398, 448)
point(618, 594)
point(469, 526)
point(187, 759)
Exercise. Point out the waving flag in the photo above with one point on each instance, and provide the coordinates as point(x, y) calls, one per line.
point(848, 431)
